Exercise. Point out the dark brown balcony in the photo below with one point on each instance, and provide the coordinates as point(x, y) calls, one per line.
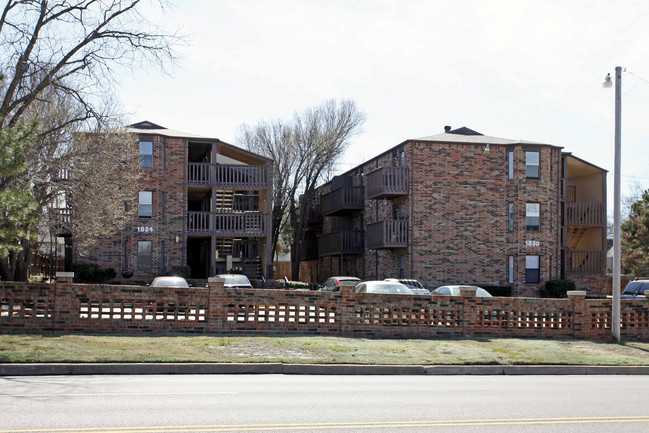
point(585, 214)
point(342, 200)
point(585, 262)
point(250, 224)
point(346, 242)
point(228, 176)
point(62, 219)
point(387, 182)
point(387, 234)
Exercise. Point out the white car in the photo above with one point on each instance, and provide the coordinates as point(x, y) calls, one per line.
point(169, 282)
point(455, 291)
point(235, 281)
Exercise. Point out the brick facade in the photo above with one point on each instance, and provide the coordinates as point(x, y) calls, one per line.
point(457, 209)
point(167, 229)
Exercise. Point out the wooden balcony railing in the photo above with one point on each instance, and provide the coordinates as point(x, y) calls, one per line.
point(61, 217)
point(387, 182)
point(240, 224)
point(229, 176)
point(198, 223)
point(342, 200)
point(344, 242)
point(387, 234)
point(584, 262)
point(251, 224)
point(585, 214)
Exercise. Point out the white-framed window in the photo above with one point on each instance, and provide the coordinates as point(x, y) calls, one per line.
point(145, 204)
point(510, 278)
point(532, 164)
point(146, 154)
point(532, 269)
point(532, 217)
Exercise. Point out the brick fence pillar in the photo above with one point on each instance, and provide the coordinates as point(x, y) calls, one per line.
point(469, 311)
point(216, 309)
point(579, 324)
point(64, 277)
point(347, 308)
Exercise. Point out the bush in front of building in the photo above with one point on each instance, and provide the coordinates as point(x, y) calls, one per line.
point(183, 271)
point(557, 288)
point(91, 273)
point(499, 291)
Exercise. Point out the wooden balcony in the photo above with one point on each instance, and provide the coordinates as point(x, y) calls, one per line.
point(347, 242)
point(343, 200)
point(584, 262)
point(387, 182)
point(62, 219)
point(387, 234)
point(228, 176)
point(247, 224)
point(585, 214)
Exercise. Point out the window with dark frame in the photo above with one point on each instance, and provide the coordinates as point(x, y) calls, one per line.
point(532, 217)
point(511, 217)
point(532, 269)
point(532, 164)
point(511, 270)
point(144, 254)
point(146, 154)
point(145, 204)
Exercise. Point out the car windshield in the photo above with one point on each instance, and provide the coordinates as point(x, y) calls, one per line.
point(236, 279)
point(635, 287)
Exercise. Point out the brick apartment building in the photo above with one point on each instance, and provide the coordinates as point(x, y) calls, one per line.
point(462, 207)
point(205, 204)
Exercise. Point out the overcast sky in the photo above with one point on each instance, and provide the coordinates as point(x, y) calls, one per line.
point(528, 70)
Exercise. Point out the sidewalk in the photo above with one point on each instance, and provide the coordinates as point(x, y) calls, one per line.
point(315, 369)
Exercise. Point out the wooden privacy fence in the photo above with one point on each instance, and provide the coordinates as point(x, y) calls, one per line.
point(66, 307)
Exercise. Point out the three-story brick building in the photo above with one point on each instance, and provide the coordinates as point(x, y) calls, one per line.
point(205, 204)
point(462, 207)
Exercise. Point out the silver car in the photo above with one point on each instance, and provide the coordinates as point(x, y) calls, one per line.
point(169, 282)
point(235, 281)
point(384, 287)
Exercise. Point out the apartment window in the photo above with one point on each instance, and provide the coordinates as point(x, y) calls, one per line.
point(532, 216)
point(163, 258)
point(511, 217)
point(146, 154)
point(163, 203)
point(511, 270)
point(532, 269)
point(532, 165)
point(144, 254)
point(145, 204)
point(510, 156)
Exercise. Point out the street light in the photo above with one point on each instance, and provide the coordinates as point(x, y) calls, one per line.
point(617, 231)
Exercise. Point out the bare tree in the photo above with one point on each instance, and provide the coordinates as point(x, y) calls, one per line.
point(304, 149)
point(57, 60)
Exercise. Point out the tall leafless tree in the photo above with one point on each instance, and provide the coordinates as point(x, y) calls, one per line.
point(305, 149)
point(58, 59)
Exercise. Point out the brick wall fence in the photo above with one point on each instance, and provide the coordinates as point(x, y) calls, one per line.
point(70, 308)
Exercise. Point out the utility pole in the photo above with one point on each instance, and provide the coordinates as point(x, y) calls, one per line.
point(617, 231)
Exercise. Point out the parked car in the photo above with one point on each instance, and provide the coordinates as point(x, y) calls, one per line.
point(414, 285)
point(636, 290)
point(455, 291)
point(235, 281)
point(385, 287)
point(332, 284)
point(169, 282)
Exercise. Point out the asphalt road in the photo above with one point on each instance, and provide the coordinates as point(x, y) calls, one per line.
point(230, 403)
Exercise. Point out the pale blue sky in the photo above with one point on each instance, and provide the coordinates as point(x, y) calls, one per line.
point(514, 69)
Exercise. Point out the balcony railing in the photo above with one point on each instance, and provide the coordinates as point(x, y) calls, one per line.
point(387, 182)
point(387, 234)
point(229, 176)
point(251, 224)
point(584, 262)
point(61, 217)
point(342, 200)
point(344, 242)
point(585, 214)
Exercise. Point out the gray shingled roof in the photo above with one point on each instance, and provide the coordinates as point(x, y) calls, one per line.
point(478, 139)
